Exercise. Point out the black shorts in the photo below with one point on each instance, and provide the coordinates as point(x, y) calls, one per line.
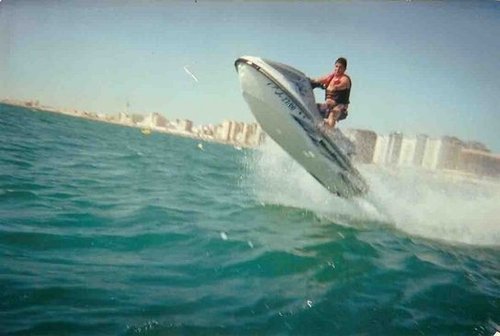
point(324, 112)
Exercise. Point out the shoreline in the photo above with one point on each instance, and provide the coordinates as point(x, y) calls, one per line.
point(110, 120)
point(455, 175)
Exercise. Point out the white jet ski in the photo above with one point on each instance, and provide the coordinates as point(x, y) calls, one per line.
point(281, 99)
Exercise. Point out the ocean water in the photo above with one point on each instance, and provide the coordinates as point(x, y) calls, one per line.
point(105, 231)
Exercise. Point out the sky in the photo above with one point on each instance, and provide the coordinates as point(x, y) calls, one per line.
point(429, 67)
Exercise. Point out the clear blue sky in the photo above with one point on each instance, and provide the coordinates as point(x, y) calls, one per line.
point(417, 66)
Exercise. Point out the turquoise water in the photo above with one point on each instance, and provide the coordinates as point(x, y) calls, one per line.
point(106, 231)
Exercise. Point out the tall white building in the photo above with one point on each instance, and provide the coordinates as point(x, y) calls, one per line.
point(394, 147)
point(387, 149)
point(380, 153)
point(420, 149)
point(236, 129)
point(223, 130)
point(431, 153)
point(254, 135)
point(442, 153)
point(407, 152)
point(445, 153)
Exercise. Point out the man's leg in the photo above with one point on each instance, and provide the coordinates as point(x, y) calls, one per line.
point(331, 121)
point(323, 109)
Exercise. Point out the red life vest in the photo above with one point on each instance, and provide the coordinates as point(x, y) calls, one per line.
point(327, 80)
point(339, 96)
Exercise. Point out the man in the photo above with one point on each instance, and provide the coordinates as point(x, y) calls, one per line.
point(338, 90)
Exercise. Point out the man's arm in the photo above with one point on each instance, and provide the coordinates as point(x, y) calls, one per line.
point(321, 79)
point(319, 82)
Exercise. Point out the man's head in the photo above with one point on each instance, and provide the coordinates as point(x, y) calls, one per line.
point(340, 65)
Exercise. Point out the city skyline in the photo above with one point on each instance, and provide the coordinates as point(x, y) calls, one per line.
point(229, 132)
point(417, 67)
point(392, 148)
point(446, 153)
point(154, 119)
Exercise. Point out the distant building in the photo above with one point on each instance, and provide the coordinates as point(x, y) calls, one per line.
point(475, 145)
point(394, 147)
point(223, 130)
point(418, 157)
point(184, 125)
point(380, 152)
point(236, 129)
point(146, 122)
point(137, 118)
point(159, 120)
point(239, 133)
point(254, 135)
point(431, 153)
point(248, 129)
point(407, 152)
point(387, 149)
point(419, 151)
point(153, 120)
point(125, 118)
point(451, 148)
point(207, 130)
point(32, 103)
point(479, 162)
point(442, 153)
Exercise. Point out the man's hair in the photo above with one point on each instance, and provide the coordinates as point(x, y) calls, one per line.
point(342, 61)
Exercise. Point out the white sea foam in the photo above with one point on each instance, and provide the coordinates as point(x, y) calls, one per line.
point(277, 179)
point(438, 205)
point(421, 203)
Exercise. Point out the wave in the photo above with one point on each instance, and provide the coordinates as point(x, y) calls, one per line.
point(421, 203)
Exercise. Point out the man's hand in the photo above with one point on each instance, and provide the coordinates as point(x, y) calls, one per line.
point(316, 84)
